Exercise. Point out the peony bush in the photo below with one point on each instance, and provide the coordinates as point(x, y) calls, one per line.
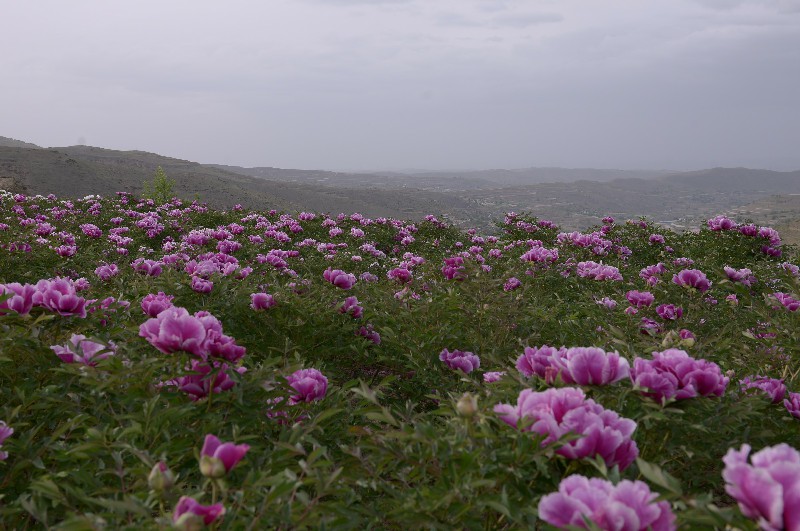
point(173, 365)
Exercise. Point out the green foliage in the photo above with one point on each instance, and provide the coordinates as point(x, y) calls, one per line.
point(388, 447)
point(161, 189)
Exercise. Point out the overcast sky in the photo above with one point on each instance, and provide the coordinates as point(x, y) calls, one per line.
point(394, 84)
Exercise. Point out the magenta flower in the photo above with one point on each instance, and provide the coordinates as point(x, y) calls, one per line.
point(629, 506)
point(152, 305)
point(310, 385)
point(369, 333)
point(595, 271)
point(773, 387)
point(106, 271)
point(743, 276)
point(607, 303)
point(262, 301)
point(464, 361)
point(793, 404)
point(692, 278)
point(190, 515)
point(768, 490)
point(591, 366)
point(205, 379)
point(5, 433)
point(351, 307)
point(674, 374)
point(173, 330)
point(669, 312)
point(81, 350)
point(59, 295)
point(339, 278)
point(201, 285)
point(788, 302)
point(721, 223)
point(511, 284)
point(557, 412)
point(491, 377)
point(400, 274)
point(218, 458)
point(150, 268)
point(640, 299)
point(539, 360)
point(21, 298)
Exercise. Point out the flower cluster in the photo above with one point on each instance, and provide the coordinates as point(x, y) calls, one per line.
point(768, 487)
point(555, 413)
point(83, 351)
point(5, 433)
point(59, 295)
point(674, 374)
point(629, 505)
point(575, 365)
point(466, 362)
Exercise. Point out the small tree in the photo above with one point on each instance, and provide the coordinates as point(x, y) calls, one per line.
point(161, 189)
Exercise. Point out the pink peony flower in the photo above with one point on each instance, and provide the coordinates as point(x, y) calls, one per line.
point(692, 278)
point(218, 458)
point(368, 332)
point(772, 387)
point(339, 278)
point(629, 506)
point(190, 515)
point(60, 296)
point(491, 377)
point(173, 330)
point(205, 379)
point(768, 490)
point(591, 366)
point(152, 305)
point(537, 360)
point(669, 312)
point(793, 404)
point(201, 285)
point(262, 301)
point(557, 412)
point(310, 385)
point(640, 299)
point(5, 433)
point(351, 307)
point(512, 284)
point(674, 374)
point(466, 362)
point(81, 350)
point(21, 297)
point(106, 271)
point(788, 302)
point(743, 276)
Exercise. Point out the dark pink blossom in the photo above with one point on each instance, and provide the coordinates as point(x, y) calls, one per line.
point(669, 312)
point(768, 490)
point(721, 223)
point(262, 301)
point(150, 268)
point(628, 506)
point(597, 271)
point(787, 301)
point(204, 379)
point(640, 299)
point(59, 295)
point(351, 307)
point(21, 298)
point(772, 387)
point(152, 305)
point(512, 284)
point(674, 374)
point(106, 271)
point(494, 376)
point(401, 275)
point(218, 458)
point(692, 278)
point(460, 360)
point(368, 332)
point(557, 412)
point(743, 276)
point(83, 351)
point(339, 278)
point(5, 433)
point(201, 285)
point(793, 404)
point(174, 329)
point(190, 515)
point(591, 366)
point(537, 360)
point(309, 384)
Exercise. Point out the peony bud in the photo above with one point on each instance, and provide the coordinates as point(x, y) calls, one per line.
point(212, 467)
point(467, 405)
point(161, 477)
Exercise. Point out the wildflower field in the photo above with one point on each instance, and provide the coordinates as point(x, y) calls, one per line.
point(177, 366)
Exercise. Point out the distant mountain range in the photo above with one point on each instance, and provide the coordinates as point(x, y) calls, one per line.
point(574, 198)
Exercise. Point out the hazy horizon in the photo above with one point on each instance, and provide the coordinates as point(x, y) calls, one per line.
point(391, 85)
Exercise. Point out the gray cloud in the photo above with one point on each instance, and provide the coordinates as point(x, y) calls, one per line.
point(411, 83)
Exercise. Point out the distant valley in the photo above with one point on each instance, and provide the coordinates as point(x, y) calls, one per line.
point(574, 198)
